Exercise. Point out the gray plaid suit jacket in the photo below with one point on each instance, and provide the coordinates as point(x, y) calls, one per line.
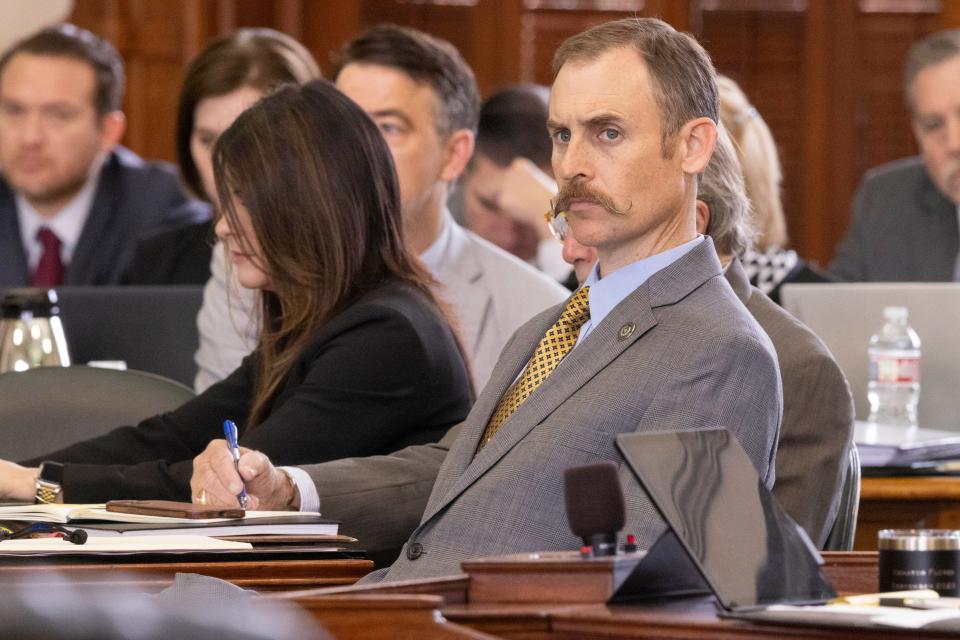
point(693, 358)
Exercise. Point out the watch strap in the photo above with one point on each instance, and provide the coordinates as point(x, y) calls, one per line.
point(49, 482)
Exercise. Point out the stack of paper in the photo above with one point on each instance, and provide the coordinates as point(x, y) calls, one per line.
point(886, 446)
point(121, 545)
point(97, 521)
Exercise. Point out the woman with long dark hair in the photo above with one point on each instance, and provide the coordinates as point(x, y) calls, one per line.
point(229, 75)
point(354, 357)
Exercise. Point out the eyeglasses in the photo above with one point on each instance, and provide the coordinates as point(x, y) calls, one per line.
point(558, 224)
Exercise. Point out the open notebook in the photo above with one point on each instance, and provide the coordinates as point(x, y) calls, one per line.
point(98, 521)
point(165, 543)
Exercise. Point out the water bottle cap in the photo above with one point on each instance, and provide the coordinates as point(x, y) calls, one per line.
point(895, 313)
point(39, 302)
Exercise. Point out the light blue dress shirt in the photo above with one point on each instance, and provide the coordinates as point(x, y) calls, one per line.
point(610, 290)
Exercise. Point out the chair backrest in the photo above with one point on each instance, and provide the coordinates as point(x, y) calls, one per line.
point(45, 409)
point(150, 328)
point(845, 526)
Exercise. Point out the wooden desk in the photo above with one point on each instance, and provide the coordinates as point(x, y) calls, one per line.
point(931, 502)
point(442, 609)
point(302, 572)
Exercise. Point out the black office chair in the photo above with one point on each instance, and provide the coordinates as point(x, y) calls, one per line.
point(845, 526)
point(48, 408)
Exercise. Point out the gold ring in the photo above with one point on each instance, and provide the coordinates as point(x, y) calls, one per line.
point(202, 498)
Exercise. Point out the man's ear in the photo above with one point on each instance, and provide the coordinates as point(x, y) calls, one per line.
point(703, 217)
point(698, 138)
point(112, 127)
point(456, 154)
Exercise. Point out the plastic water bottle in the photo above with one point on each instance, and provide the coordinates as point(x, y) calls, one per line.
point(894, 388)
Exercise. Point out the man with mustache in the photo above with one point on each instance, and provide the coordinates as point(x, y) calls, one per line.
point(72, 202)
point(818, 411)
point(904, 225)
point(654, 341)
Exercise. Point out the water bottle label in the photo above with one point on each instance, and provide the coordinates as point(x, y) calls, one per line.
point(901, 370)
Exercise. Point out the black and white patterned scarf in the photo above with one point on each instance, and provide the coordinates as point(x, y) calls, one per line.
point(768, 269)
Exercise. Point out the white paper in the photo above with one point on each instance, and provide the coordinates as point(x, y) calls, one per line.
point(122, 544)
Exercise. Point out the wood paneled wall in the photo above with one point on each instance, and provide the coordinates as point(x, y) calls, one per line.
point(825, 74)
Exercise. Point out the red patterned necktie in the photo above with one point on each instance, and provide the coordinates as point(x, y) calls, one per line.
point(49, 271)
point(553, 347)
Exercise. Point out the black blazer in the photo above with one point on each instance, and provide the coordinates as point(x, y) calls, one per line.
point(178, 256)
point(134, 199)
point(382, 374)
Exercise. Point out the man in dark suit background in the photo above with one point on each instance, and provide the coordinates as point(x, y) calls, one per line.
point(72, 202)
point(904, 225)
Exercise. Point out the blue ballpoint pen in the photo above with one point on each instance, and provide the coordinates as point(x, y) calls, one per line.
point(230, 433)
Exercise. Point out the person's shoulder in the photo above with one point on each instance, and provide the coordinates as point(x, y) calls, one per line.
point(390, 301)
point(712, 316)
point(134, 167)
point(513, 276)
point(791, 338)
point(896, 174)
point(150, 191)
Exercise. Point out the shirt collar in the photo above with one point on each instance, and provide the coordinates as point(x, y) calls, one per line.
point(67, 223)
point(434, 255)
point(610, 290)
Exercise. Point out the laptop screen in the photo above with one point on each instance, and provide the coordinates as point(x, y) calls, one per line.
point(746, 547)
point(151, 328)
point(845, 315)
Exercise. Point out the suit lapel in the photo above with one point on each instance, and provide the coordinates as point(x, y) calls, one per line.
point(515, 356)
point(936, 240)
point(14, 271)
point(460, 274)
point(623, 326)
point(99, 229)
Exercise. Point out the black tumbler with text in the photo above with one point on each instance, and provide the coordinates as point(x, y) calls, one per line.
point(919, 559)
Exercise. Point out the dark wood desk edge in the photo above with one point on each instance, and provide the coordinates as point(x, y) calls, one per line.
point(275, 575)
point(849, 571)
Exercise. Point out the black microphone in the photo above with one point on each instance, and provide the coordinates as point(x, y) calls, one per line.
point(79, 536)
point(595, 508)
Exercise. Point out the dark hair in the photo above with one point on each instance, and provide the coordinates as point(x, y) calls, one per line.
point(70, 41)
point(936, 48)
point(317, 178)
point(426, 59)
point(683, 78)
point(513, 123)
point(257, 58)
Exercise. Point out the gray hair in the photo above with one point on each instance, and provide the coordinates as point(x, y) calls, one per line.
point(932, 50)
point(722, 189)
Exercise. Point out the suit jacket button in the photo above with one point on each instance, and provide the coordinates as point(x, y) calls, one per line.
point(414, 551)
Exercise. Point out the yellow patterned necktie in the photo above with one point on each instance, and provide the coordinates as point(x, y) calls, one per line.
point(555, 344)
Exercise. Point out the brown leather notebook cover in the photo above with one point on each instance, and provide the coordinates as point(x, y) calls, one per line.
point(170, 509)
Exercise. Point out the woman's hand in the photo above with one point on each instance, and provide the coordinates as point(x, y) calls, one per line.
point(18, 483)
point(215, 480)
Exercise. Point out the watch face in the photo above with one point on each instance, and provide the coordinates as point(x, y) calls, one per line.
point(51, 472)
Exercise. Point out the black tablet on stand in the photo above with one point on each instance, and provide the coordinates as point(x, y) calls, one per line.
point(726, 533)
